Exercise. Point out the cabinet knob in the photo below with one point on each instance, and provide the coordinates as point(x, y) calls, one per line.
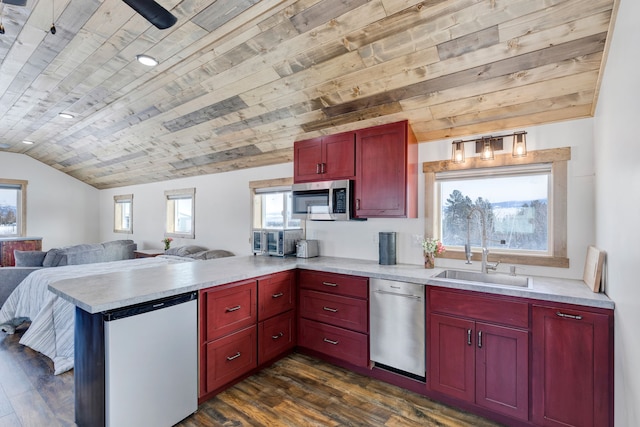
point(275, 337)
point(235, 356)
point(332, 310)
point(479, 339)
point(331, 341)
point(230, 309)
point(278, 295)
point(318, 170)
point(333, 285)
point(468, 336)
point(568, 316)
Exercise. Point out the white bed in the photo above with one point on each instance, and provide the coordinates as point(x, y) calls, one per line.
point(52, 318)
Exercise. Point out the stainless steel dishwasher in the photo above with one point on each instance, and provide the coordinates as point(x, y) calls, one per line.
point(397, 327)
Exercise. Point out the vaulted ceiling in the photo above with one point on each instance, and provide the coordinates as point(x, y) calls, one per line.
point(240, 80)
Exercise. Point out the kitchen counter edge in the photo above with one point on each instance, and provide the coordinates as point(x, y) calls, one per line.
point(122, 289)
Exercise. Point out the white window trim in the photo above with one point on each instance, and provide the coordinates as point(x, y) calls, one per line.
point(123, 198)
point(267, 186)
point(22, 215)
point(187, 193)
point(558, 157)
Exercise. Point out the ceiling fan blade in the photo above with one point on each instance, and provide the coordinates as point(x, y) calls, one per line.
point(15, 2)
point(152, 12)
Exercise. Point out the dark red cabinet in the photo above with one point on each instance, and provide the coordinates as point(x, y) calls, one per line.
point(276, 294)
point(334, 315)
point(572, 366)
point(386, 172)
point(276, 327)
point(324, 158)
point(477, 361)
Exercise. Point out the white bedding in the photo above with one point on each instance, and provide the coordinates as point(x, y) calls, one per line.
point(53, 318)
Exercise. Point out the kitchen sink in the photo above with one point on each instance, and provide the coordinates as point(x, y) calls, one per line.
point(484, 278)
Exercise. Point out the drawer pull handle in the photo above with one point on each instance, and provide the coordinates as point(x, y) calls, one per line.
point(277, 295)
point(275, 337)
point(333, 310)
point(468, 336)
point(331, 341)
point(318, 168)
point(568, 316)
point(479, 339)
point(235, 356)
point(236, 308)
point(330, 284)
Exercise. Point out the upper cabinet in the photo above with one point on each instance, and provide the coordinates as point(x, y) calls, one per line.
point(325, 158)
point(386, 172)
point(382, 161)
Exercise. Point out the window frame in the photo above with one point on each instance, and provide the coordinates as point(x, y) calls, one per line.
point(276, 183)
point(170, 195)
point(21, 215)
point(557, 157)
point(121, 199)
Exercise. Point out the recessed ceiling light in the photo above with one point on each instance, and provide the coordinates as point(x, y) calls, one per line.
point(147, 60)
point(66, 115)
point(27, 142)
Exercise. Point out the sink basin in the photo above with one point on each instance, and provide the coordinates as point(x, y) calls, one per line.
point(488, 279)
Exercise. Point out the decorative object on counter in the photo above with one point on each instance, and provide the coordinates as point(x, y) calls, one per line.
point(387, 247)
point(432, 248)
point(167, 242)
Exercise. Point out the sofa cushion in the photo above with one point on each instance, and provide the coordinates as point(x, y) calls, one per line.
point(73, 255)
point(184, 250)
point(53, 257)
point(117, 250)
point(29, 258)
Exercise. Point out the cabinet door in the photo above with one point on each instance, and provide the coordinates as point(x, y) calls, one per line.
point(451, 362)
point(307, 159)
point(334, 283)
point(339, 156)
point(350, 346)
point(229, 308)
point(275, 336)
point(275, 294)
point(230, 357)
point(346, 312)
point(381, 172)
point(571, 368)
point(502, 369)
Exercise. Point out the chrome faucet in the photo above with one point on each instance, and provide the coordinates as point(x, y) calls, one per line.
point(486, 266)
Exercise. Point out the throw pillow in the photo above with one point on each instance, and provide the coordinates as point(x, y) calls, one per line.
point(29, 258)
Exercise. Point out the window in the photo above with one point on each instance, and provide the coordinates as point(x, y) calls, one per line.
point(123, 213)
point(272, 205)
point(13, 200)
point(180, 213)
point(523, 202)
point(510, 202)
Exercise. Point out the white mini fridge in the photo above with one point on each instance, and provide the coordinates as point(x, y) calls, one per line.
point(151, 363)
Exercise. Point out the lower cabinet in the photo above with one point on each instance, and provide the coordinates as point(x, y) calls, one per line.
point(572, 366)
point(230, 357)
point(472, 359)
point(276, 336)
point(334, 315)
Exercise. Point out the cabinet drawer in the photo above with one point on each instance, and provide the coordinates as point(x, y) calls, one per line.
point(275, 294)
point(230, 308)
point(230, 357)
point(340, 284)
point(349, 313)
point(275, 336)
point(492, 309)
point(352, 347)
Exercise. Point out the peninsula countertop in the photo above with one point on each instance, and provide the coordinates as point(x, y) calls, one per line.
point(121, 289)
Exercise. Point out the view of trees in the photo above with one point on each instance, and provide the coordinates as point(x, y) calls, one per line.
point(7, 219)
point(522, 225)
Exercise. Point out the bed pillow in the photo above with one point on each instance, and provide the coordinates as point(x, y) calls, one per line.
point(29, 258)
point(211, 254)
point(184, 250)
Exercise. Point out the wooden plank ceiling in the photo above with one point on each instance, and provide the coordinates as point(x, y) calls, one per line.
point(240, 80)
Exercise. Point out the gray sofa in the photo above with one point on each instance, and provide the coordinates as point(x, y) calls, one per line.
point(28, 261)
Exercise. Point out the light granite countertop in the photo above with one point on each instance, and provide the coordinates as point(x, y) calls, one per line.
point(121, 289)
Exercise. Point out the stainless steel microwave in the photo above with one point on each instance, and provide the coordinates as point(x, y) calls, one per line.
point(276, 242)
point(322, 201)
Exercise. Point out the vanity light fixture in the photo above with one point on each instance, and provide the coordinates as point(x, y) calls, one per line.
point(147, 60)
point(486, 146)
point(457, 151)
point(66, 115)
point(487, 149)
point(519, 144)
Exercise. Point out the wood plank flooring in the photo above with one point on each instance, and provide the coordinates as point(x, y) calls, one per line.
point(296, 391)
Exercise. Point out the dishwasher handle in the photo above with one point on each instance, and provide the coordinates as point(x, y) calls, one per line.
point(410, 296)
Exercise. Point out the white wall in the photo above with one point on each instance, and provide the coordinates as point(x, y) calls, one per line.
point(222, 209)
point(617, 208)
point(359, 239)
point(61, 209)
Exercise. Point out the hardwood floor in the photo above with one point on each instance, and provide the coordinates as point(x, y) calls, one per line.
point(296, 391)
